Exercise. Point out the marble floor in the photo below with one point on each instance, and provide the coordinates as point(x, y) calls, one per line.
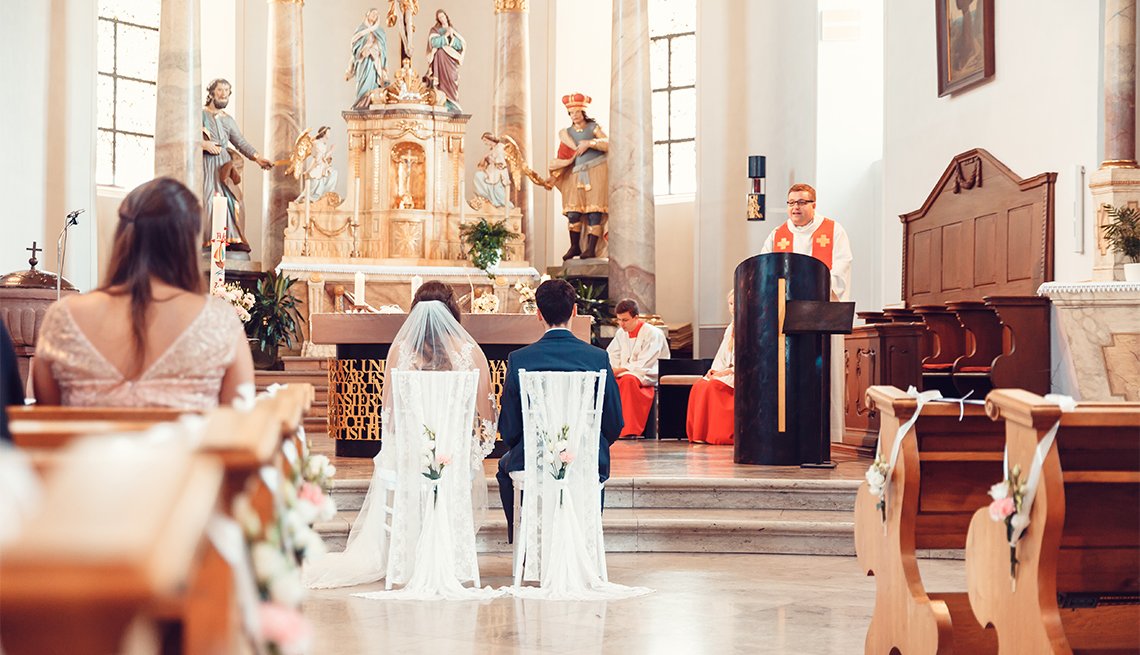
point(722, 604)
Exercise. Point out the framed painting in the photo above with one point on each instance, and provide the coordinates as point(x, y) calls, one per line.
point(965, 43)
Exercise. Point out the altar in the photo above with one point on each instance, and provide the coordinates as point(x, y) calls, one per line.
point(356, 376)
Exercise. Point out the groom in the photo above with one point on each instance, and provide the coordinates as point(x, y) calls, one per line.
point(557, 350)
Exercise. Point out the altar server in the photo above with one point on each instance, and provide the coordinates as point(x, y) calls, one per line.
point(711, 400)
point(634, 353)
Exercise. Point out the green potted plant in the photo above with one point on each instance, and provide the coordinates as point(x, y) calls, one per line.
point(485, 241)
point(1123, 236)
point(591, 303)
point(274, 319)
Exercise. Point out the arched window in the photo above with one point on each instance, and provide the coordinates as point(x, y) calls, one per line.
point(128, 71)
point(673, 76)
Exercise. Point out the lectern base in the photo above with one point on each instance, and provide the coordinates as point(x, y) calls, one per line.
point(822, 465)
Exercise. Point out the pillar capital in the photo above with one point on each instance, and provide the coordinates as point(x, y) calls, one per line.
point(520, 6)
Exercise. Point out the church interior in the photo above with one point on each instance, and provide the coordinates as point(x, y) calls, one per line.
point(866, 274)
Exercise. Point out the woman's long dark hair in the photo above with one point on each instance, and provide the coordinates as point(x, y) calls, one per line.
point(157, 237)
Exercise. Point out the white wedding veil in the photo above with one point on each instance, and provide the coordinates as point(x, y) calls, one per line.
point(431, 339)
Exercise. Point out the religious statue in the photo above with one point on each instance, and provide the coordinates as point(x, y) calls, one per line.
point(581, 173)
point(492, 179)
point(369, 62)
point(403, 180)
point(406, 87)
point(218, 131)
point(445, 52)
point(315, 165)
point(400, 15)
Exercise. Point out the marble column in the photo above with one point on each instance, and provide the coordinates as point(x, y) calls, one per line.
point(511, 105)
point(178, 111)
point(632, 238)
point(284, 120)
point(1117, 181)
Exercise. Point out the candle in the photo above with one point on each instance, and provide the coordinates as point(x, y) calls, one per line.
point(358, 289)
point(220, 214)
point(417, 281)
point(356, 203)
point(308, 200)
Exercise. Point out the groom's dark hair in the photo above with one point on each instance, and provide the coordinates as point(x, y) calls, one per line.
point(555, 299)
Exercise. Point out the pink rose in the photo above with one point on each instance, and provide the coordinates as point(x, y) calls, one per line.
point(443, 460)
point(1001, 508)
point(311, 493)
point(566, 456)
point(284, 626)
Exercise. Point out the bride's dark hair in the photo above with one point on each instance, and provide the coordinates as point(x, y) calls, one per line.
point(436, 290)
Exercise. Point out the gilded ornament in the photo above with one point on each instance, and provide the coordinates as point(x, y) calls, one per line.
point(502, 6)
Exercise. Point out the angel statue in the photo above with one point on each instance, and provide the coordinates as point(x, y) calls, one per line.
point(369, 58)
point(312, 159)
point(502, 168)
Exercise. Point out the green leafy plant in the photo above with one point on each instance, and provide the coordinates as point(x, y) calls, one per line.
point(485, 242)
point(274, 318)
point(1123, 231)
point(590, 303)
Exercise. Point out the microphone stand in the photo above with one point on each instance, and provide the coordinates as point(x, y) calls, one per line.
point(61, 250)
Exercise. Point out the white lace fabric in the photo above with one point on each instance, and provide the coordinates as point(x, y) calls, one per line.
point(430, 340)
point(561, 527)
point(188, 375)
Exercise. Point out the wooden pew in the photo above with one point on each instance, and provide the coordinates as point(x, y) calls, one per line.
point(201, 618)
point(1083, 539)
point(98, 552)
point(944, 468)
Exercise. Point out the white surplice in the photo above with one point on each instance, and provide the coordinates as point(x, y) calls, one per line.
point(639, 356)
point(840, 291)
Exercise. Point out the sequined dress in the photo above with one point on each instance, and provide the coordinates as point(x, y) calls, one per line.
point(188, 375)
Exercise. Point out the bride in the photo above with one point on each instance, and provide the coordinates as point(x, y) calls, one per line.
point(431, 339)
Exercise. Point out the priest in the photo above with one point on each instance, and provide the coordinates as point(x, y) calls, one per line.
point(826, 240)
point(634, 354)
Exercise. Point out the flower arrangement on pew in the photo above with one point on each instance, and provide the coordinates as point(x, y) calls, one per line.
point(487, 303)
point(241, 300)
point(1007, 507)
point(877, 483)
point(558, 456)
point(278, 549)
point(433, 462)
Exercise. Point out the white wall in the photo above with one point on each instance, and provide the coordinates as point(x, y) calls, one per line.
point(850, 134)
point(756, 63)
point(1040, 112)
point(48, 55)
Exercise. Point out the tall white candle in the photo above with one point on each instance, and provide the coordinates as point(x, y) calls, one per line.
point(358, 289)
point(308, 200)
point(221, 212)
point(417, 281)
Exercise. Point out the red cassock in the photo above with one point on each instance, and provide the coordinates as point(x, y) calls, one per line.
point(636, 401)
point(710, 412)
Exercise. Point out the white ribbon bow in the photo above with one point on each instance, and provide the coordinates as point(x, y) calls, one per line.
point(1067, 404)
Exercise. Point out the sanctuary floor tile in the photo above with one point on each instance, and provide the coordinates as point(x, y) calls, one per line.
point(646, 458)
point(771, 604)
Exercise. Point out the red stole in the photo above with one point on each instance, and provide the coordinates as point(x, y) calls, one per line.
point(822, 240)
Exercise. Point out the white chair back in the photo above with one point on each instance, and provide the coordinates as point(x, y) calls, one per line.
point(560, 410)
point(444, 403)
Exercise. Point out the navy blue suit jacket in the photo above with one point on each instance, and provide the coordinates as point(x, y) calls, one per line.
point(557, 350)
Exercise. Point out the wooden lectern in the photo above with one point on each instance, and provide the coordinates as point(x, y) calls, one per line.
point(783, 359)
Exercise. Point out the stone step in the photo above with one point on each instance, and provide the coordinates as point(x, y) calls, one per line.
point(698, 494)
point(296, 363)
point(799, 532)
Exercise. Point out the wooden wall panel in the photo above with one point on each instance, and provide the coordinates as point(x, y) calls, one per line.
point(922, 269)
point(985, 250)
point(1023, 234)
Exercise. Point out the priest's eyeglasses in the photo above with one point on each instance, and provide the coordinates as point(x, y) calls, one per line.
point(800, 203)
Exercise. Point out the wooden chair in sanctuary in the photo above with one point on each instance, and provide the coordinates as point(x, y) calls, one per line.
point(973, 256)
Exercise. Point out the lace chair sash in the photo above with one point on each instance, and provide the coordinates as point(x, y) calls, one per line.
point(433, 421)
point(562, 414)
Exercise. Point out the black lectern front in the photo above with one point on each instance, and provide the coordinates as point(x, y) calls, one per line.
point(783, 359)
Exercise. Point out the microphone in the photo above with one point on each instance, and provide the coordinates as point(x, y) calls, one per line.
point(61, 249)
